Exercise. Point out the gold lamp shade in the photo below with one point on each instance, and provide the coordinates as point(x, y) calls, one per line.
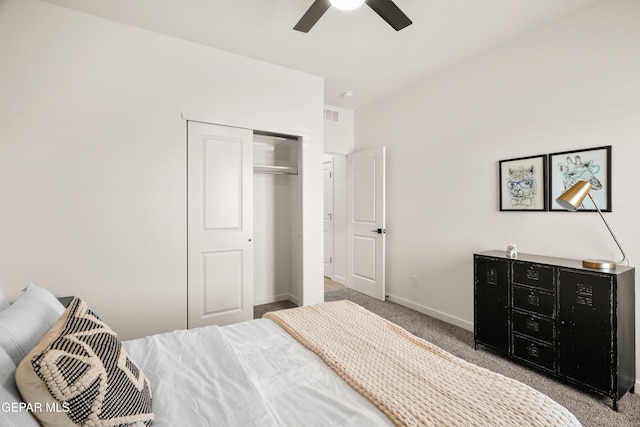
point(571, 199)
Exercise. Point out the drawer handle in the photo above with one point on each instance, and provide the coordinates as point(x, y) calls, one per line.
point(533, 325)
point(533, 274)
point(492, 275)
point(533, 300)
point(532, 350)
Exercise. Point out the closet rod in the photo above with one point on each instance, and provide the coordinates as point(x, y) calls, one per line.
point(276, 170)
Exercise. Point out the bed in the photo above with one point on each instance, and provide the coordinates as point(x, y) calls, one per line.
point(332, 364)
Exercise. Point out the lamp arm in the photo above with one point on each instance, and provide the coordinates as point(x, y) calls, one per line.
point(609, 228)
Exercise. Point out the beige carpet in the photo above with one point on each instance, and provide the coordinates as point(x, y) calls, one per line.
point(590, 409)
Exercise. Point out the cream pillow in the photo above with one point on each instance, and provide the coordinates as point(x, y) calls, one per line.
point(80, 374)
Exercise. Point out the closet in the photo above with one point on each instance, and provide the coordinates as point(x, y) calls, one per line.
point(276, 218)
point(243, 222)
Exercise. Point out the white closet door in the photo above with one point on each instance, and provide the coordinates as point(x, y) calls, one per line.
point(366, 222)
point(220, 224)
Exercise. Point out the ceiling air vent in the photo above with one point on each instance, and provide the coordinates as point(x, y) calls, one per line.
point(331, 115)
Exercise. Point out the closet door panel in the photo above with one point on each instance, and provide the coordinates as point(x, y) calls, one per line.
point(222, 281)
point(222, 183)
point(220, 224)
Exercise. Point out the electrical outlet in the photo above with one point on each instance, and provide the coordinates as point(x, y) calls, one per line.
point(413, 280)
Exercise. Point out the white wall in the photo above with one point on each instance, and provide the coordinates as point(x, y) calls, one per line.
point(571, 84)
point(339, 141)
point(339, 136)
point(93, 164)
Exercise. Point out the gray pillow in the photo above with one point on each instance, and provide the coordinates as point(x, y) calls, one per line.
point(4, 301)
point(24, 322)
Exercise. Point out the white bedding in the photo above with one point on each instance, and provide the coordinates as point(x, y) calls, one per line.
point(248, 374)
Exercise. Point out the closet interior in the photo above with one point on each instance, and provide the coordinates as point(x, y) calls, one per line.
point(277, 213)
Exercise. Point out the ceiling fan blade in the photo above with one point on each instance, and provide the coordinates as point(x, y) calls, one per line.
point(391, 13)
point(311, 16)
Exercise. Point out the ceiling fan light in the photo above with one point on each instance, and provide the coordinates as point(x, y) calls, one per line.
point(346, 4)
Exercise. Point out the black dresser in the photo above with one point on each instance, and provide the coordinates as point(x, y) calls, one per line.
point(575, 323)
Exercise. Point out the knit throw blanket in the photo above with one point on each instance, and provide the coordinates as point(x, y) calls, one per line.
point(414, 382)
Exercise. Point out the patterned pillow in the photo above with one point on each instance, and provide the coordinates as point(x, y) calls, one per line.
point(79, 374)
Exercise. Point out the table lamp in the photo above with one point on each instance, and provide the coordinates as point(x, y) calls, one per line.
point(571, 200)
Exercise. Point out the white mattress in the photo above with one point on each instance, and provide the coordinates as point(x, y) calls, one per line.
point(248, 374)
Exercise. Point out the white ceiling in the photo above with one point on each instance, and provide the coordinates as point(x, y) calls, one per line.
point(354, 50)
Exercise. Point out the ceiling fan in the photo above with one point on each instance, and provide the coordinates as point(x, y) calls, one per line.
point(387, 10)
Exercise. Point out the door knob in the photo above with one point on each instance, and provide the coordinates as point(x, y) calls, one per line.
point(379, 231)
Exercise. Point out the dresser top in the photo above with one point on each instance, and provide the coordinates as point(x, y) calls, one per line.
point(561, 262)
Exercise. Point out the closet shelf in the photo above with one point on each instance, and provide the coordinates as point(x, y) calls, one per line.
point(278, 170)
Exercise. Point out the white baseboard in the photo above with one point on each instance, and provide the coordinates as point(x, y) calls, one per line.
point(293, 299)
point(465, 324)
point(340, 280)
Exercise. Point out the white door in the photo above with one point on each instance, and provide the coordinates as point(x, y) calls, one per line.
point(219, 224)
point(328, 216)
point(366, 222)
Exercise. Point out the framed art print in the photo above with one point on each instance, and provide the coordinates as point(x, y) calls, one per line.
point(569, 167)
point(523, 184)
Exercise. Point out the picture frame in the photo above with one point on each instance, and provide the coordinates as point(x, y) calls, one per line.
point(590, 164)
point(523, 183)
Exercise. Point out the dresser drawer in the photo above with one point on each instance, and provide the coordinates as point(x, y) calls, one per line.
point(535, 327)
point(540, 276)
point(540, 355)
point(534, 300)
